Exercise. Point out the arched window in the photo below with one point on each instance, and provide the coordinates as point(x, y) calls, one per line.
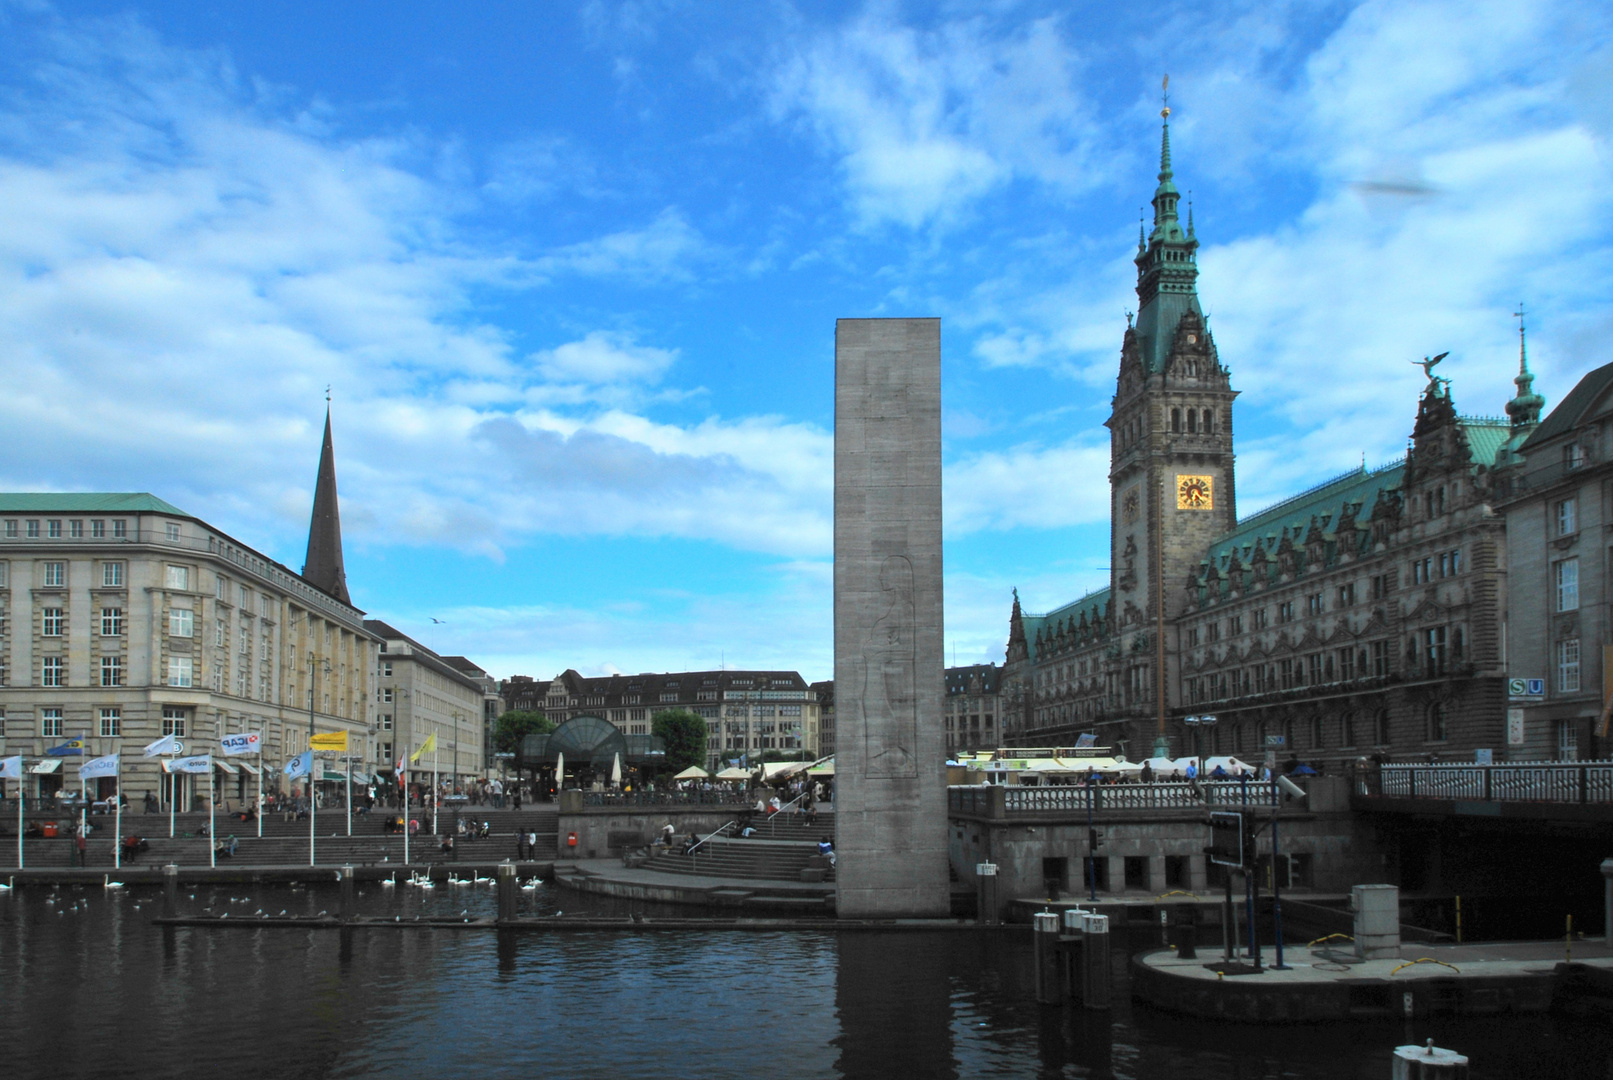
point(1347, 729)
point(1381, 725)
point(1192, 422)
point(1208, 424)
point(1434, 722)
point(1176, 420)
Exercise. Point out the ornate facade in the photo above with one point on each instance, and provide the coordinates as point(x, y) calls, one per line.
point(1362, 617)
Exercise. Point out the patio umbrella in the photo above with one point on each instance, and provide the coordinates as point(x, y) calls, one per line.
point(733, 773)
point(560, 772)
point(1303, 769)
point(616, 770)
point(693, 772)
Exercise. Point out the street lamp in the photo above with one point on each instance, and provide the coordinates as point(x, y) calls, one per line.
point(1197, 723)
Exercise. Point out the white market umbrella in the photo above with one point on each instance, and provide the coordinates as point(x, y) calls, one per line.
point(560, 772)
point(1229, 764)
point(733, 773)
point(616, 770)
point(693, 772)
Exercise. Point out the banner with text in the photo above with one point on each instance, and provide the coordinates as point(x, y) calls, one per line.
point(250, 742)
point(329, 740)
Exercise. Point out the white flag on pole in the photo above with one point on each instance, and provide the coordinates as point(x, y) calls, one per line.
point(168, 744)
point(200, 763)
point(246, 743)
point(11, 768)
point(101, 766)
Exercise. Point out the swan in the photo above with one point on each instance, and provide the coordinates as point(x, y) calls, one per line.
point(387, 883)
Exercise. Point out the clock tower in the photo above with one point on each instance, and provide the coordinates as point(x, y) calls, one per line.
point(1170, 474)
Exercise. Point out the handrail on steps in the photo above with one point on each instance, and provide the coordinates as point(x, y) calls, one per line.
point(717, 832)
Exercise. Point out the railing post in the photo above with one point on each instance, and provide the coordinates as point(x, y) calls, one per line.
point(1411, 783)
point(1584, 782)
point(1488, 772)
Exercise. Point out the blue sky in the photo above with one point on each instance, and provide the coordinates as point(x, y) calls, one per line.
point(572, 271)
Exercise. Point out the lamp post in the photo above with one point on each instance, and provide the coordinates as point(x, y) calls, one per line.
point(1196, 724)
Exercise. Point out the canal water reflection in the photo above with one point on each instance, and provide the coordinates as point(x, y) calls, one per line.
point(90, 987)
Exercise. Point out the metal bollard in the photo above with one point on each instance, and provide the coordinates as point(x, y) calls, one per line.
point(506, 891)
point(986, 900)
point(1186, 932)
point(170, 891)
point(1095, 961)
point(1070, 950)
point(1045, 944)
point(347, 906)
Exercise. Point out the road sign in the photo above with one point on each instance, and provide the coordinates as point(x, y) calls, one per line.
point(1226, 838)
point(1276, 742)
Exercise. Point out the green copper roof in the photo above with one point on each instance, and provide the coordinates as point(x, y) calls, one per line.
point(1486, 436)
point(85, 502)
point(1167, 268)
point(1293, 515)
point(1092, 604)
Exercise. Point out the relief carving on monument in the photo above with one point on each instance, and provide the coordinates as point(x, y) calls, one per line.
point(890, 678)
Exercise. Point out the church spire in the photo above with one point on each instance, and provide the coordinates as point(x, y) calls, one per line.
point(1167, 267)
point(323, 567)
point(1525, 408)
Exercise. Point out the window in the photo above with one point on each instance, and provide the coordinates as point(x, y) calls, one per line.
point(1380, 659)
point(386, 695)
point(221, 588)
point(50, 622)
point(1567, 741)
point(171, 532)
point(181, 623)
point(1285, 611)
point(1346, 666)
point(33, 529)
point(120, 529)
point(55, 575)
point(111, 622)
point(386, 721)
point(181, 671)
point(1568, 665)
point(11, 528)
point(1567, 517)
point(50, 723)
point(1235, 626)
point(1434, 650)
point(1347, 595)
point(1347, 730)
point(1422, 571)
point(1450, 564)
point(98, 529)
point(112, 575)
point(1313, 604)
point(52, 671)
point(75, 529)
point(1380, 728)
point(111, 671)
point(1260, 619)
point(1287, 672)
point(1434, 722)
point(219, 633)
point(1176, 420)
point(244, 597)
point(1382, 586)
point(1192, 636)
point(386, 669)
point(1567, 575)
point(111, 723)
point(5, 574)
point(177, 577)
point(1573, 456)
point(173, 720)
point(53, 530)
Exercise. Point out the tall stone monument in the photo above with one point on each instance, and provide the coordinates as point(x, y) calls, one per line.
point(890, 753)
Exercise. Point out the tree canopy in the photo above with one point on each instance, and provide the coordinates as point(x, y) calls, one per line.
point(685, 736)
point(517, 724)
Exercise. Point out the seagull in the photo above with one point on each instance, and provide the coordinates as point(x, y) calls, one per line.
point(465, 912)
point(282, 911)
point(438, 621)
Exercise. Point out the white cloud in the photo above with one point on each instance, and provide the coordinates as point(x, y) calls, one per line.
point(602, 358)
point(926, 122)
point(1027, 487)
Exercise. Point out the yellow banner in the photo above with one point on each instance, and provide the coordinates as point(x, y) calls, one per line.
point(329, 740)
point(425, 748)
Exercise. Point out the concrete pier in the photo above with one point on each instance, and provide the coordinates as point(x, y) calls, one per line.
point(890, 793)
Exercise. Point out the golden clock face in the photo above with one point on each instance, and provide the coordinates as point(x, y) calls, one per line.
point(1195, 492)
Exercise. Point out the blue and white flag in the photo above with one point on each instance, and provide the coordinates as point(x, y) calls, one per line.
point(101, 766)
point(299, 765)
point(11, 768)
point(250, 742)
point(200, 763)
point(168, 744)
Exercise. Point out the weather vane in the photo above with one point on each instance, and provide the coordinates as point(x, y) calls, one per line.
point(1165, 98)
point(327, 393)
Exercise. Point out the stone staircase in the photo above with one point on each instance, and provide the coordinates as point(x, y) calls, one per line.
point(788, 826)
point(771, 860)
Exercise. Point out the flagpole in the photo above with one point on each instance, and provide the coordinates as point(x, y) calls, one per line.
point(117, 827)
point(260, 791)
point(436, 793)
point(212, 820)
point(19, 815)
point(83, 817)
point(313, 801)
point(173, 793)
point(349, 794)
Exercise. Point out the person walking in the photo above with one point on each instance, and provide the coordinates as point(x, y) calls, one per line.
point(520, 847)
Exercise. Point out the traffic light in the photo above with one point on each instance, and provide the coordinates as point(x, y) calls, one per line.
point(1094, 841)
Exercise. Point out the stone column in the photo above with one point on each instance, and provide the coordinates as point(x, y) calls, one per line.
point(1156, 874)
point(890, 753)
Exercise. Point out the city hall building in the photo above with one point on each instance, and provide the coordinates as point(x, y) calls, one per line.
point(1361, 618)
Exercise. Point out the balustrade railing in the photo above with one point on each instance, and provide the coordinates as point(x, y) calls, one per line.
point(975, 800)
point(1550, 781)
point(665, 798)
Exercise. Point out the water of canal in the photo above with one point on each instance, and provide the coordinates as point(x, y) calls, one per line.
point(90, 987)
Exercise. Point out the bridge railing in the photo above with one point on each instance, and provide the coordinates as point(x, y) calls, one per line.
point(1548, 781)
point(665, 798)
point(976, 800)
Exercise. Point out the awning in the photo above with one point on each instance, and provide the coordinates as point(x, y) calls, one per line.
point(334, 777)
point(773, 769)
point(251, 769)
point(226, 767)
point(732, 773)
point(693, 772)
point(49, 765)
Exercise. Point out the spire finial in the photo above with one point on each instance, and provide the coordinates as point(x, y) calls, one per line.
point(1525, 408)
point(327, 393)
point(1190, 211)
point(1165, 97)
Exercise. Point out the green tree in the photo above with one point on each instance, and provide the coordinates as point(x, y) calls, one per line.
point(516, 725)
point(685, 736)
